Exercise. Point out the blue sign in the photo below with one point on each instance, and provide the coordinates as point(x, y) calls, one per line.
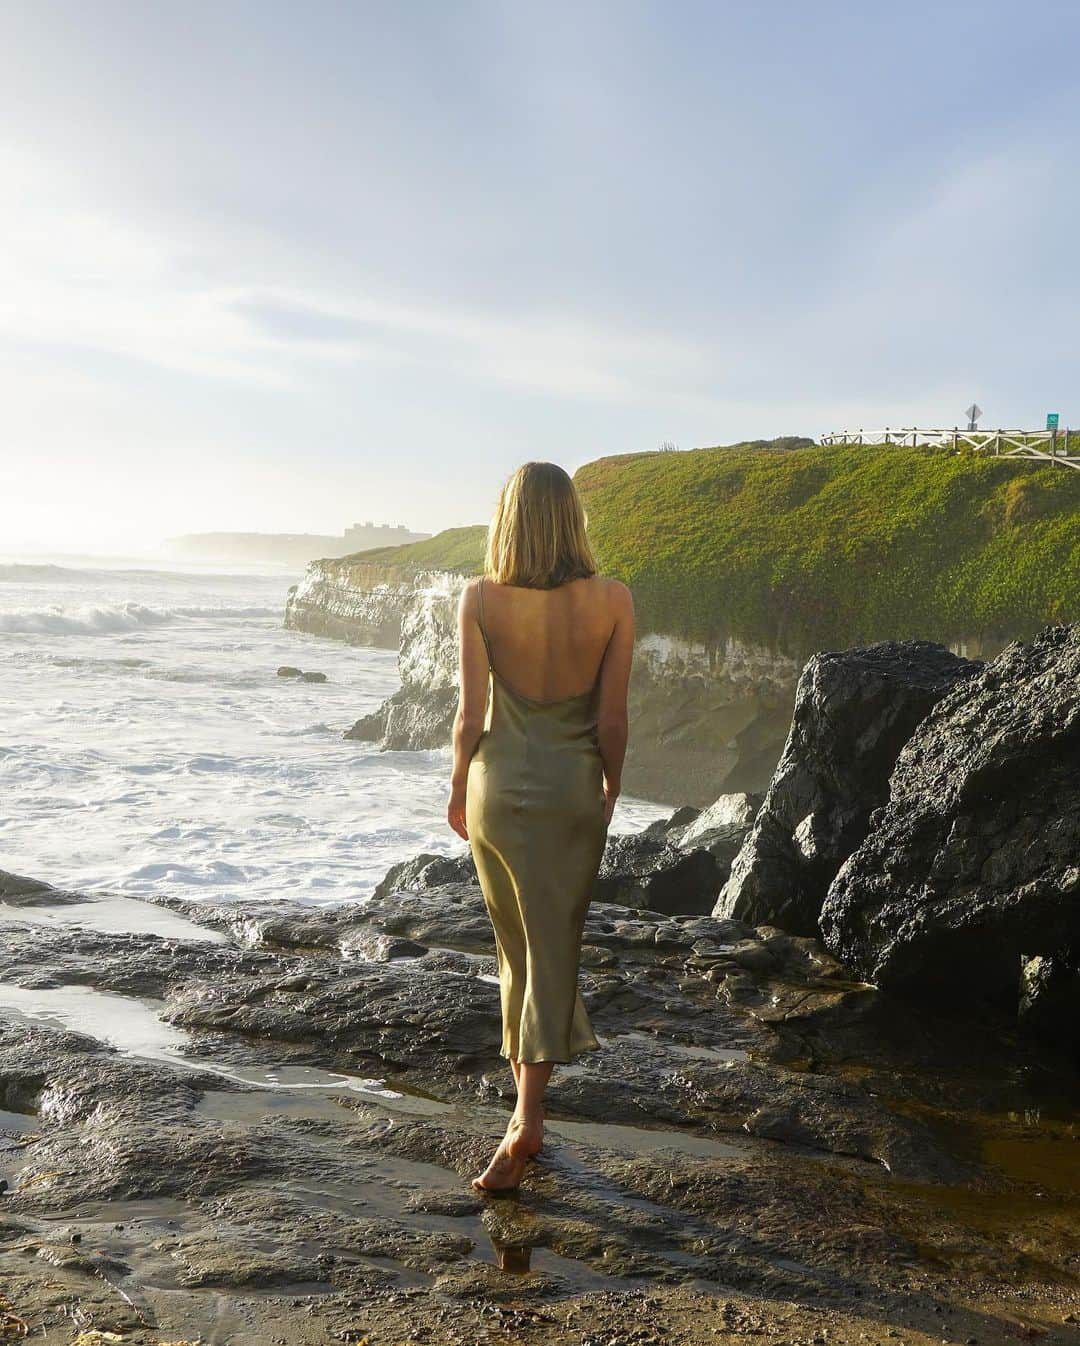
point(1051, 420)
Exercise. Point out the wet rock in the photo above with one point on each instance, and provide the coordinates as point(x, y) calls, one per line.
point(974, 862)
point(688, 1153)
point(854, 711)
point(16, 890)
point(633, 1081)
point(372, 1017)
point(644, 871)
point(452, 916)
point(409, 720)
point(438, 1202)
point(691, 827)
point(378, 948)
point(647, 869)
point(288, 671)
point(427, 871)
point(313, 677)
point(671, 827)
point(638, 870)
point(716, 827)
point(1050, 998)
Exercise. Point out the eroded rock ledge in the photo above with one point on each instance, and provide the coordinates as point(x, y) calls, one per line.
point(763, 1146)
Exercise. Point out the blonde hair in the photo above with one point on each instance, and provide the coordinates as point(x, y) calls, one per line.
point(537, 538)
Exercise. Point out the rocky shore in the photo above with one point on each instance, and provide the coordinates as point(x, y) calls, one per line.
point(250, 1123)
point(925, 820)
point(245, 1124)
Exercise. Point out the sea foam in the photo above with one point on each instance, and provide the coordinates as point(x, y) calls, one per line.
point(110, 619)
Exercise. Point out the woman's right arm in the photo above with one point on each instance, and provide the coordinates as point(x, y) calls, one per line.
point(612, 721)
point(472, 704)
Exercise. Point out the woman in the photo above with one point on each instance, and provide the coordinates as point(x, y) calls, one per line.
point(539, 741)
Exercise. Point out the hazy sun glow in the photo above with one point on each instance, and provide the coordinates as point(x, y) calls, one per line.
point(275, 267)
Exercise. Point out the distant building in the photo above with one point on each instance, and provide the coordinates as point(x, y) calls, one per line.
point(364, 536)
point(292, 548)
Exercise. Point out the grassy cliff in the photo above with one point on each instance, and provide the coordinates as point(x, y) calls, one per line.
point(812, 548)
point(455, 549)
point(825, 547)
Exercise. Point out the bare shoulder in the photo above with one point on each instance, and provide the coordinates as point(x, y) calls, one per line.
point(467, 602)
point(617, 594)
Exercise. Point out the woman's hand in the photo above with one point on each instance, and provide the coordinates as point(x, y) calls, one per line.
point(455, 811)
point(609, 804)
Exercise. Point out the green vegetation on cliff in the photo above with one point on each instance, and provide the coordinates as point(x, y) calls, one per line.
point(825, 547)
point(455, 549)
point(805, 548)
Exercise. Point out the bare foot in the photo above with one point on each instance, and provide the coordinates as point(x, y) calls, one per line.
point(503, 1174)
point(524, 1138)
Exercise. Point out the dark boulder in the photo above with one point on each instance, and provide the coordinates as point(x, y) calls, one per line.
point(677, 864)
point(637, 871)
point(720, 829)
point(974, 862)
point(313, 677)
point(425, 871)
point(671, 827)
point(288, 671)
point(409, 720)
point(647, 872)
point(854, 711)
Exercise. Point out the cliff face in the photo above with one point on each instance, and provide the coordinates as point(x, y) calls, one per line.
point(360, 604)
point(703, 722)
point(421, 713)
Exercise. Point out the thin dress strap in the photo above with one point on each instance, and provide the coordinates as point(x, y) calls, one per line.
point(483, 629)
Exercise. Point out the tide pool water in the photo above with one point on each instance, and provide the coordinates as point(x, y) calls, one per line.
point(148, 746)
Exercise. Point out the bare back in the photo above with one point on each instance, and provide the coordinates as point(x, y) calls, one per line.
point(550, 644)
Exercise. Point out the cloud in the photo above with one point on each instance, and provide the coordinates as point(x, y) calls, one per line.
point(74, 276)
point(566, 355)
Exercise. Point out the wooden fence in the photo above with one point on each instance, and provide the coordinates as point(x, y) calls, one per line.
point(1053, 446)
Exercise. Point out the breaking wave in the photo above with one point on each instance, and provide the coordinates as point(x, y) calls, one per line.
point(112, 618)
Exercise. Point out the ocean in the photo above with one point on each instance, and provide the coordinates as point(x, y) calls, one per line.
point(147, 744)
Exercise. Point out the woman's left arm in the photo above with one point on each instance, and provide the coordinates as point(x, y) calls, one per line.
point(472, 704)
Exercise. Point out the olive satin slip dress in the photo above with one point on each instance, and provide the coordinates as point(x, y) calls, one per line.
point(534, 813)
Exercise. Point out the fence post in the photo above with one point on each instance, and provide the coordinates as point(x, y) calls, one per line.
point(954, 430)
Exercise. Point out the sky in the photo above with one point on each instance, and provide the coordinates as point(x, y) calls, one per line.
point(285, 266)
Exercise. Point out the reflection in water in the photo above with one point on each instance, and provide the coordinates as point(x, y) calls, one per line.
point(513, 1257)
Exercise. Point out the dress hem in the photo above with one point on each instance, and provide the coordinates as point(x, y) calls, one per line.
point(555, 1060)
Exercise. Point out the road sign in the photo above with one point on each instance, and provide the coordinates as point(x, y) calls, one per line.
point(1051, 420)
point(973, 413)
